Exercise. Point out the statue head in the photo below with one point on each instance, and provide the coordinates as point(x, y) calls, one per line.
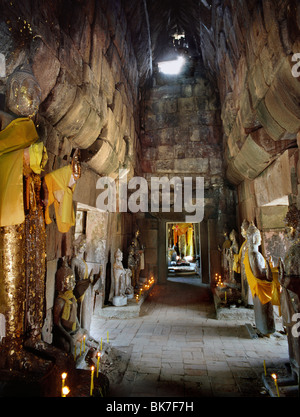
point(23, 92)
point(253, 235)
point(244, 228)
point(137, 233)
point(65, 280)
point(233, 235)
point(119, 254)
point(292, 221)
point(80, 244)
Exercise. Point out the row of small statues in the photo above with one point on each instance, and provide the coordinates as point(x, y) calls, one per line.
point(72, 282)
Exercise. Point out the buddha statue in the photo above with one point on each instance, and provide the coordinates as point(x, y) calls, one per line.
point(22, 233)
point(66, 329)
point(83, 277)
point(260, 280)
point(119, 298)
point(132, 264)
point(245, 290)
point(289, 279)
point(139, 256)
point(234, 268)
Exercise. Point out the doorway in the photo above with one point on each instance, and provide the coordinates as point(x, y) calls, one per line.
point(183, 249)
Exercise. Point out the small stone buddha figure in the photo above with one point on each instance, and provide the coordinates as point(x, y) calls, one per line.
point(289, 279)
point(66, 330)
point(119, 273)
point(259, 277)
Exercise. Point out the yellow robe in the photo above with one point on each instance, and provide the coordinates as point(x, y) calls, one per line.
point(266, 291)
point(17, 136)
point(59, 181)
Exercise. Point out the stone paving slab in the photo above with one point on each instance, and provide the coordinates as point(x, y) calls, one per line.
point(179, 349)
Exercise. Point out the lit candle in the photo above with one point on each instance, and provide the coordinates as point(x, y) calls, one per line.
point(265, 368)
point(107, 337)
point(80, 347)
point(63, 378)
point(92, 380)
point(65, 391)
point(84, 343)
point(225, 296)
point(101, 344)
point(98, 360)
point(274, 376)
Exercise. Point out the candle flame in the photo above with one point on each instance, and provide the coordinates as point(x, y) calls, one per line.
point(92, 368)
point(98, 354)
point(65, 390)
point(64, 375)
point(274, 376)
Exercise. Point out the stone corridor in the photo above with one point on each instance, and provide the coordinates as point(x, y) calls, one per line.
point(178, 349)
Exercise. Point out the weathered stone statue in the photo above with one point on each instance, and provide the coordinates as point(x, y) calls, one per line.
point(129, 290)
point(139, 256)
point(289, 278)
point(81, 273)
point(259, 277)
point(22, 233)
point(224, 256)
point(132, 264)
point(119, 298)
point(234, 270)
point(245, 290)
point(66, 330)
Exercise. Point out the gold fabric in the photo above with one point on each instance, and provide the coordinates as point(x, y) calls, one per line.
point(62, 196)
point(17, 136)
point(266, 291)
point(38, 157)
point(238, 258)
point(69, 310)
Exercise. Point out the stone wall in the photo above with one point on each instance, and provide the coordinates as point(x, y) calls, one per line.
point(250, 51)
point(85, 57)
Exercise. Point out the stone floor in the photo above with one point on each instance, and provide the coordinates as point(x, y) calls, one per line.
point(178, 349)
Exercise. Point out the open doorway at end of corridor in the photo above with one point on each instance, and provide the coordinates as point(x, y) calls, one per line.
point(183, 249)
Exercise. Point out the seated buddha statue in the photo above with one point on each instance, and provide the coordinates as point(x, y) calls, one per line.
point(66, 330)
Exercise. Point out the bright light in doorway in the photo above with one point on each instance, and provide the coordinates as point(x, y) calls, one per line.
point(171, 67)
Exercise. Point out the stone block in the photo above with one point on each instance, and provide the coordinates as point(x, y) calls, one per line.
point(61, 98)
point(275, 182)
point(186, 104)
point(70, 59)
point(89, 132)
point(45, 67)
point(252, 159)
point(165, 152)
point(272, 217)
point(76, 116)
point(107, 82)
point(283, 107)
point(110, 131)
point(268, 122)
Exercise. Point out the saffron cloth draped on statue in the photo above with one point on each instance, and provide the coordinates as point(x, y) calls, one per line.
point(17, 136)
point(62, 196)
point(266, 291)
